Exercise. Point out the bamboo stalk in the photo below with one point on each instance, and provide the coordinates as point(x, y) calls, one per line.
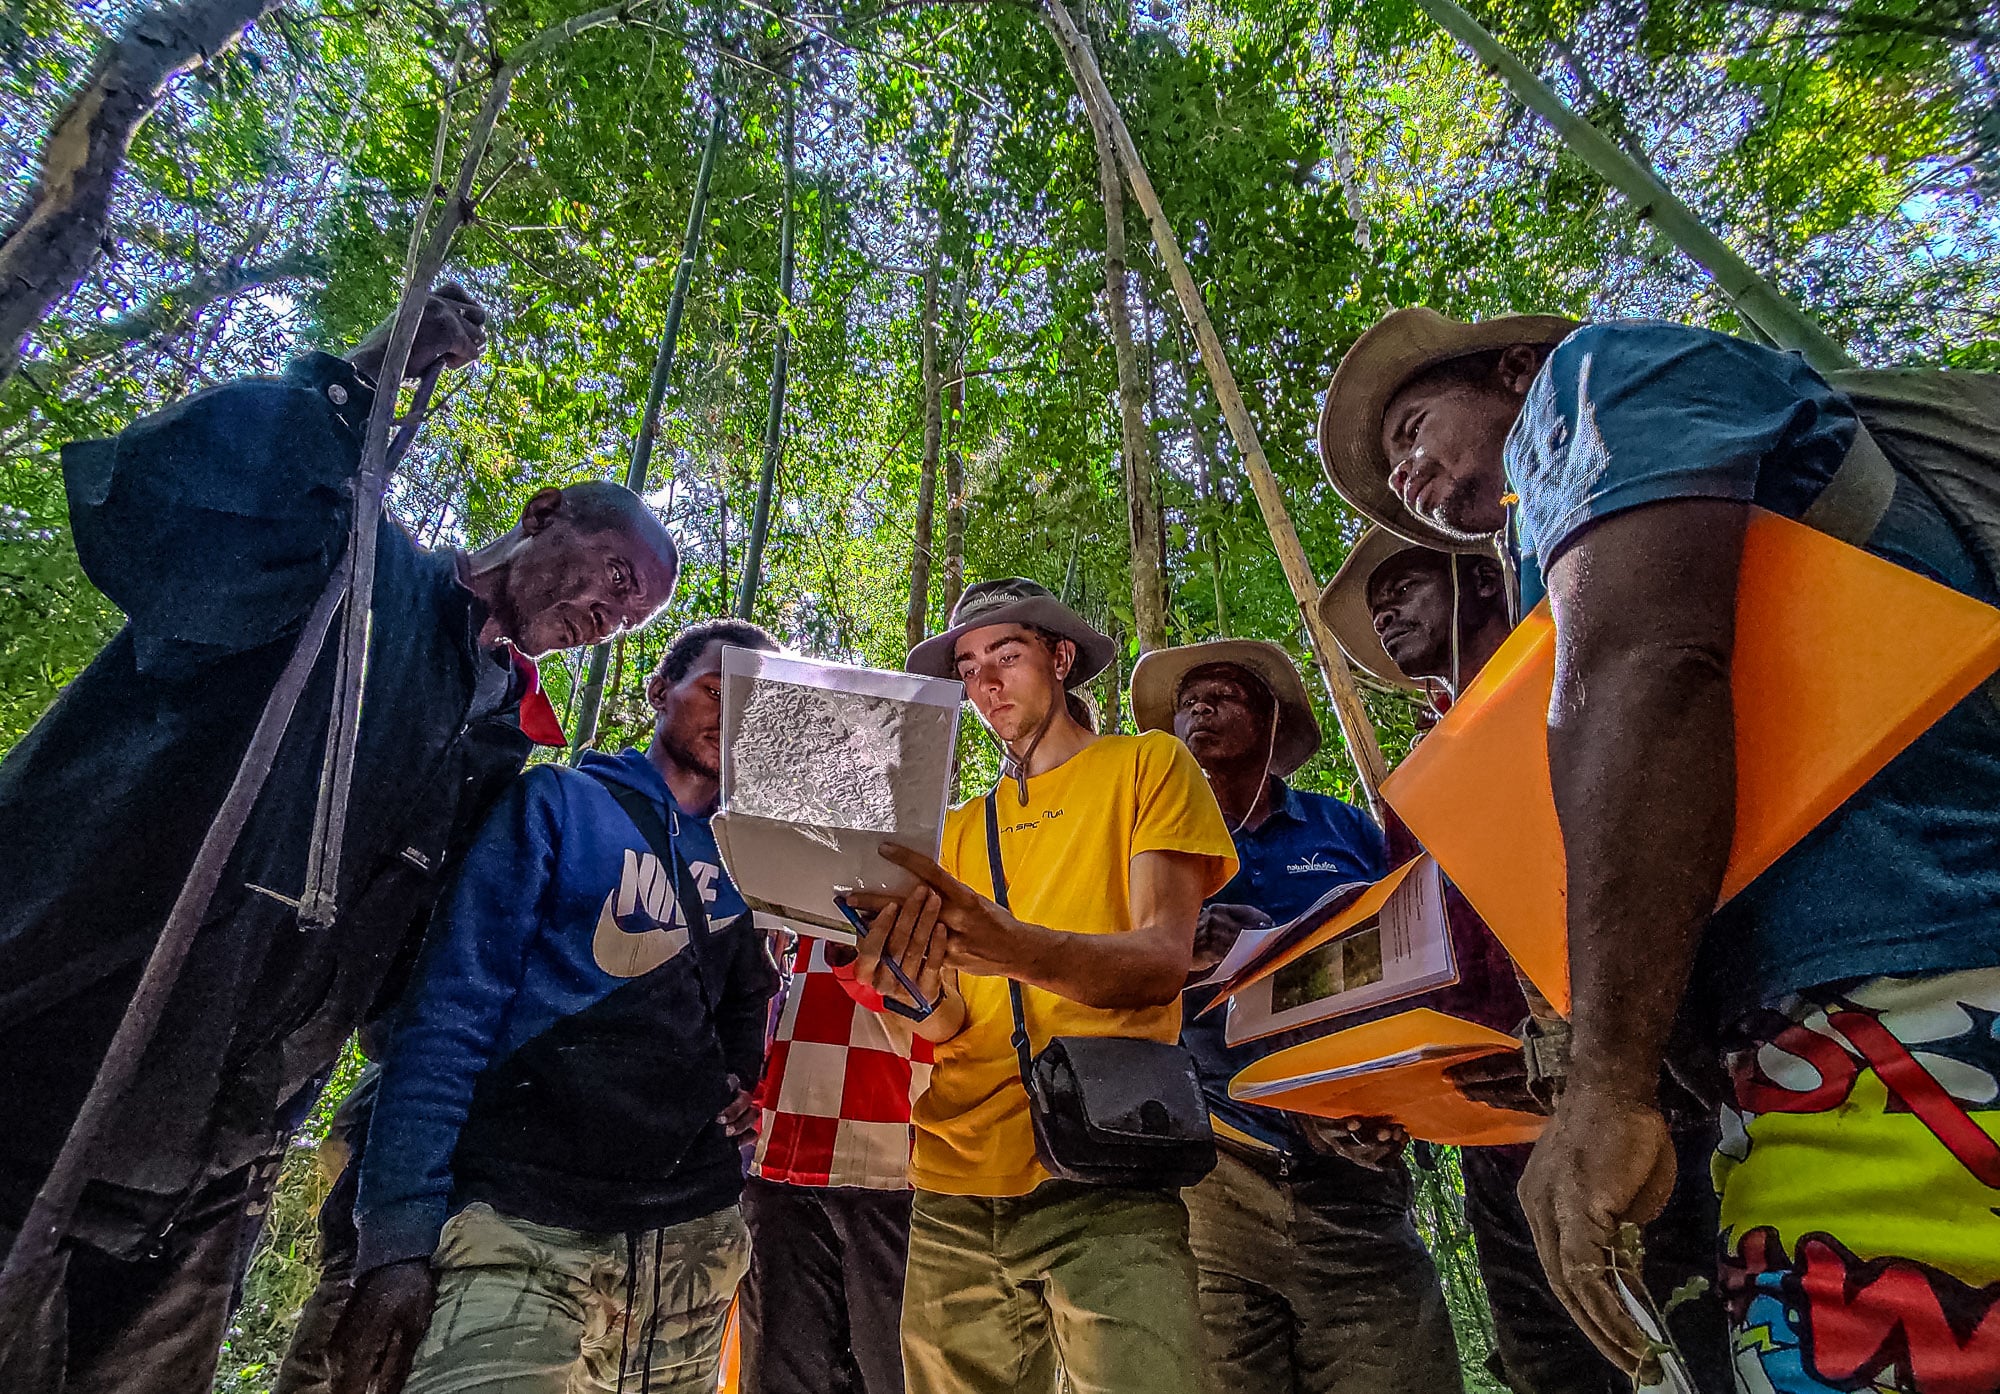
point(317, 905)
point(1769, 310)
point(1355, 727)
point(774, 426)
point(649, 421)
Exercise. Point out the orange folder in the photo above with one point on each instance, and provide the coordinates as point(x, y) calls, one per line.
point(1842, 659)
point(1413, 1092)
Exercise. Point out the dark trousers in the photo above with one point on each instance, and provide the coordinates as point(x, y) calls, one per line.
point(150, 1323)
point(1540, 1347)
point(307, 1367)
point(822, 1307)
point(1317, 1283)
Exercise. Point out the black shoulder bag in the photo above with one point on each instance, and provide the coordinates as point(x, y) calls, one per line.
point(1108, 1110)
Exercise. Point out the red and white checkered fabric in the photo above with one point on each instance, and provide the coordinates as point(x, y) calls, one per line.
point(838, 1084)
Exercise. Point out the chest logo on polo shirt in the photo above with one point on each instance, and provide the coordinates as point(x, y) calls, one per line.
point(641, 925)
point(1316, 865)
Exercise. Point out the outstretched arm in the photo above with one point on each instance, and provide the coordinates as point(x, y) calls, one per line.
point(1145, 967)
point(1642, 758)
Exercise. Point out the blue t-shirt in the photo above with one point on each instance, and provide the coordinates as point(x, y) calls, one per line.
point(1905, 876)
point(1309, 845)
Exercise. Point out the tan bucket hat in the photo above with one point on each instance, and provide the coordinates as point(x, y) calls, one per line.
point(1013, 600)
point(1344, 607)
point(1157, 679)
point(1395, 349)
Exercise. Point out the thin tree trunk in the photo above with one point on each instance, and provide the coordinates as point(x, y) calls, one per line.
point(640, 464)
point(915, 621)
point(954, 459)
point(954, 497)
point(1355, 727)
point(1755, 298)
point(774, 428)
point(1206, 466)
point(54, 237)
point(1149, 608)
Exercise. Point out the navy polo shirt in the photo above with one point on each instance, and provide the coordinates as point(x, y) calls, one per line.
point(1309, 845)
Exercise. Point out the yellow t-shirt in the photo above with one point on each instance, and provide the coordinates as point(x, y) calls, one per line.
point(1068, 856)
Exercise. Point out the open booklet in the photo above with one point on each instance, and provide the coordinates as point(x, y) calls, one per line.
point(1358, 947)
point(821, 764)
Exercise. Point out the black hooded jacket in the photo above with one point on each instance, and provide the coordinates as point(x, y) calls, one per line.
point(214, 526)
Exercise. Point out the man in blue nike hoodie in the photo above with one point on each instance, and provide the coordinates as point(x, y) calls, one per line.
point(548, 1196)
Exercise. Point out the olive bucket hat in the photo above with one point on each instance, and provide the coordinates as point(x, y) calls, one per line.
point(1156, 683)
point(1395, 349)
point(1013, 600)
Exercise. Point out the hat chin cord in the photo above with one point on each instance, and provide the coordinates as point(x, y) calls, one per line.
point(1263, 779)
point(1015, 767)
point(1454, 685)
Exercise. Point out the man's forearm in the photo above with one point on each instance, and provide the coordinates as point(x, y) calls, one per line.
point(1642, 758)
point(1135, 969)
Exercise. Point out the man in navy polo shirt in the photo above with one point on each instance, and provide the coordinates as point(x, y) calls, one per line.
point(1312, 1275)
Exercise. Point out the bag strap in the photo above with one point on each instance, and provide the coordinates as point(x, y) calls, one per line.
point(1854, 500)
point(1020, 1039)
point(652, 829)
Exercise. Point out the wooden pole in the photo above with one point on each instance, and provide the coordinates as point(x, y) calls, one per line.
point(1355, 727)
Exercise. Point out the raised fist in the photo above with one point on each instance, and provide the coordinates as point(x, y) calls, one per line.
point(452, 332)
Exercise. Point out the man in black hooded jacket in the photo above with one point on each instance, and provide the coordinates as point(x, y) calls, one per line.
point(215, 525)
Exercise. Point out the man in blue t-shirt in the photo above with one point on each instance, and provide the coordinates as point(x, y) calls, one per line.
point(548, 1192)
point(1312, 1276)
point(1853, 984)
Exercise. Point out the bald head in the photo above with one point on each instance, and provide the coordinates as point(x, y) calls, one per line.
point(584, 563)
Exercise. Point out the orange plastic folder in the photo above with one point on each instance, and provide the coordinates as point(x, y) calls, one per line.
point(1842, 659)
point(1392, 1068)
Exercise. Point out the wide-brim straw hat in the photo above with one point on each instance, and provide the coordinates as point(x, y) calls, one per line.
point(1157, 679)
point(1395, 349)
point(1013, 600)
point(1344, 606)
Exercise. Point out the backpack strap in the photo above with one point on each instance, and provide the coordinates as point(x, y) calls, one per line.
point(652, 829)
point(1854, 500)
point(1852, 504)
point(1020, 1038)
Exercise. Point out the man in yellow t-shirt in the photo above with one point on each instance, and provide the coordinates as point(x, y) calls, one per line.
point(1109, 844)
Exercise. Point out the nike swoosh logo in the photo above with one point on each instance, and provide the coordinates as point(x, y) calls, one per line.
point(645, 895)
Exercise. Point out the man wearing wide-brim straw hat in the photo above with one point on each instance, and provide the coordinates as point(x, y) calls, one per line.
point(1313, 1277)
point(1624, 460)
point(1399, 347)
point(1108, 845)
point(1402, 592)
point(1392, 604)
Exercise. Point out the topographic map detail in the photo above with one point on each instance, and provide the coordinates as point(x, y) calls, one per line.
point(810, 755)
